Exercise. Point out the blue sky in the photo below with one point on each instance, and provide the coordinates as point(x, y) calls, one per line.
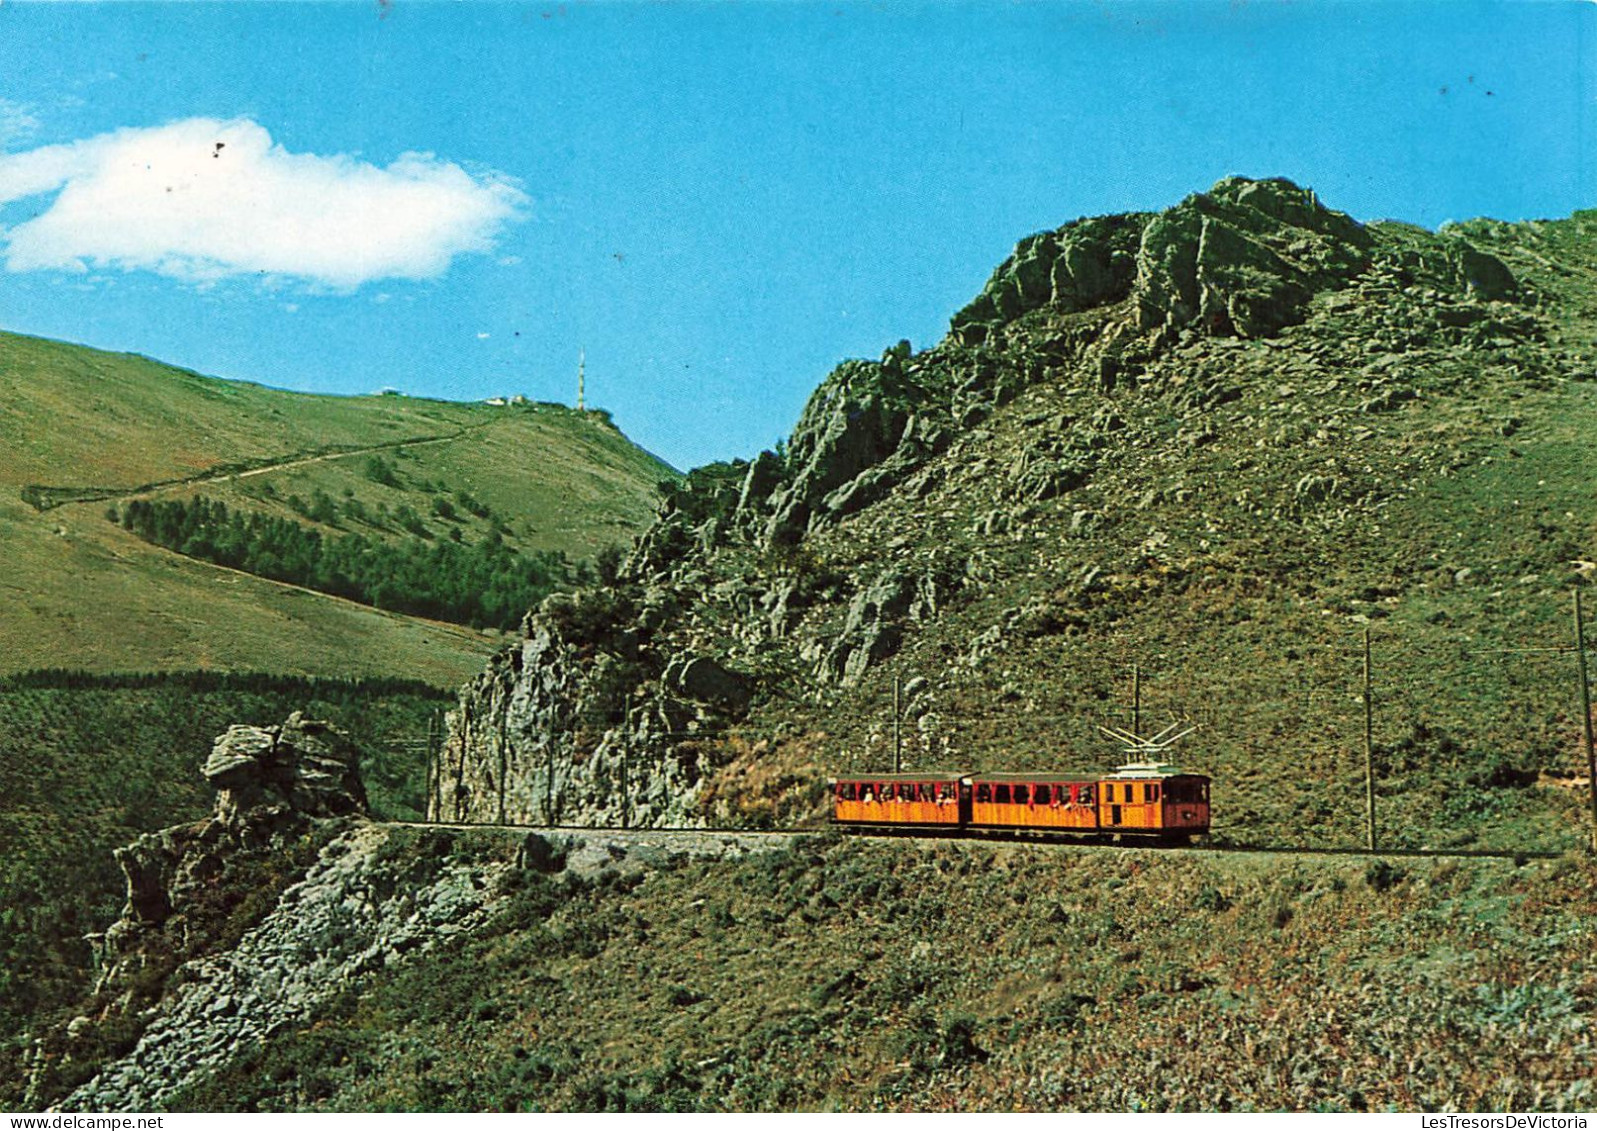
point(718, 202)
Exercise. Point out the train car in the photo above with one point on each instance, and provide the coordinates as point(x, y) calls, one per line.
point(1138, 801)
point(1053, 802)
point(925, 800)
point(1153, 799)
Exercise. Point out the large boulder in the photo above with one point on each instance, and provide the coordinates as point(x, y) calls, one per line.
point(308, 766)
point(853, 422)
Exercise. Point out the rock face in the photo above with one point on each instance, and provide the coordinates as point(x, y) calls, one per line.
point(374, 898)
point(583, 723)
point(355, 911)
point(917, 485)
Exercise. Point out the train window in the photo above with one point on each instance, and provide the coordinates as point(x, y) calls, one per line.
point(984, 792)
point(1086, 795)
point(923, 792)
point(1001, 794)
point(1021, 795)
point(845, 791)
point(944, 792)
point(1153, 793)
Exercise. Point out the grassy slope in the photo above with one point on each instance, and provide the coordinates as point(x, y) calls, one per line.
point(957, 977)
point(83, 594)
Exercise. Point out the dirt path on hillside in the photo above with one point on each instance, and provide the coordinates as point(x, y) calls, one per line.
point(43, 497)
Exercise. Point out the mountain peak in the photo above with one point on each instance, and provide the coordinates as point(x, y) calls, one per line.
point(1240, 260)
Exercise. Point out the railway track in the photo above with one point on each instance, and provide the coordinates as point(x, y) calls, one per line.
point(1037, 839)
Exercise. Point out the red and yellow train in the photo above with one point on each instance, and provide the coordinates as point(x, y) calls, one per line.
point(1151, 801)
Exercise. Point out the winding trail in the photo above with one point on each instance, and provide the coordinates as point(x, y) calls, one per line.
point(44, 497)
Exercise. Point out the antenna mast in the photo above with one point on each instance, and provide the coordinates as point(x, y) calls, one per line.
point(582, 377)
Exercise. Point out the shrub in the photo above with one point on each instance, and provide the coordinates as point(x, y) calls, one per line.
point(1382, 875)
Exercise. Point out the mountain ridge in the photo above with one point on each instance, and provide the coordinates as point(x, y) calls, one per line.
point(997, 534)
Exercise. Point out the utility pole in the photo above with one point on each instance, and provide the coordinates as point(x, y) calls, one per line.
point(1136, 698)
point(434, 771)
point(582, 378)
point(626, 798)
point(1585, 713)
point(898, 729)
point(1369, 746)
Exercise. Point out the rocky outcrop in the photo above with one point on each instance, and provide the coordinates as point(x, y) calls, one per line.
point(586, 721)
point(308, 766)
point(1244, 258)
point(279, 791)
point(270, 782)
point(360, 908)
point(1087, 263)
point(849, 428)
point(375, 898)
point(876, 618)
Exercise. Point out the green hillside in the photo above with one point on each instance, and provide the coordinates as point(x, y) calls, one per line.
point(85, 430)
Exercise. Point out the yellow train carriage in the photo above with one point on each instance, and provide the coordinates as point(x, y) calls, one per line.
point(1153, 799)
point(928, 799)
point(1034, 801)
point(1140, 800)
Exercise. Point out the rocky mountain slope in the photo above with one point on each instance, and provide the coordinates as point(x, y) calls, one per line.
point(1218, 443)
point(251, 922)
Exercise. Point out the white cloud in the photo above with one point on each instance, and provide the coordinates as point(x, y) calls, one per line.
point(202, 200)
point(17, 122)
